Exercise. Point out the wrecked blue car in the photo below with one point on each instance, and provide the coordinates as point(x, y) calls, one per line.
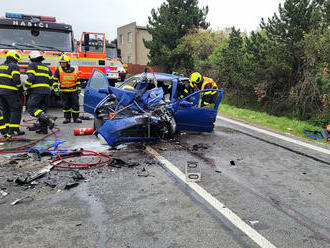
point(147, 106)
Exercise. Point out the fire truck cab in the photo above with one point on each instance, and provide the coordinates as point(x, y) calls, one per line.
point(26, 33)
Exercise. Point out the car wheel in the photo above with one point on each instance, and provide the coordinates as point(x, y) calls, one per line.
point(112, 82)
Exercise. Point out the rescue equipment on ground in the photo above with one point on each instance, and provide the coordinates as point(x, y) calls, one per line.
point(323, 134)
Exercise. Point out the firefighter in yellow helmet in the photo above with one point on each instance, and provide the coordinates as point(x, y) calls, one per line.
point(38, 84)
point(199, 82)
point(66, 81)
point(11, 97)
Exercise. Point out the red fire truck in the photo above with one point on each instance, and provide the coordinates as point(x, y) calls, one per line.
point(26, 33)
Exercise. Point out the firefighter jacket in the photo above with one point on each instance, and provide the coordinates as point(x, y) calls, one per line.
point(66, 79)
point(207, 83)
point(39, 80)
point(10, 82)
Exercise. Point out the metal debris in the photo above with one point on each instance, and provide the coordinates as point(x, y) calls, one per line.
point(40, 173)
point(21, 200)
point(199, 146)
point(22, 156)
point(143, 173)
point(118, 163)
point(37, 175)
point(51, 182)
point(3, 193)
point(8, 164)
point(118, 147)
point(76, 175)
point(71, 185)
point(85, 117)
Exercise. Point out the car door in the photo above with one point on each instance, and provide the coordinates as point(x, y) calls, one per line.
point(92, 96)
point(191, 116)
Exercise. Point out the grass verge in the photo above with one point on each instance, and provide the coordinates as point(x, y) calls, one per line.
point(282, 124)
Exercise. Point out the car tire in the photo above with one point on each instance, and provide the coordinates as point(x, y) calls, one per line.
point(112, 82)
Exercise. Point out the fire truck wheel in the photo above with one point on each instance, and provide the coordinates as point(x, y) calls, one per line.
point(122, 77)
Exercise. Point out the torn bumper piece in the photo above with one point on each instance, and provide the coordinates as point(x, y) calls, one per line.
point(131, 129)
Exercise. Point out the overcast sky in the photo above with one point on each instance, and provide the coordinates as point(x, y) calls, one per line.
point(106, 15)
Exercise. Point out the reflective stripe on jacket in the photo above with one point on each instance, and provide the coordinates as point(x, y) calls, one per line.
point(209, 96)
point(208, 83)
point(10, 81)
point(39, 78)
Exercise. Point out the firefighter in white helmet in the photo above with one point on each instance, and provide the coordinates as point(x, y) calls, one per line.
point(66, 79)
point(11, 97)
point(38, 86)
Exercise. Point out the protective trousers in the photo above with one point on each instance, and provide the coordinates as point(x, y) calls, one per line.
point(11, 106)
point(70, 101)
point(37, 103)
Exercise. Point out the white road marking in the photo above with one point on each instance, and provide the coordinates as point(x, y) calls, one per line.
point(297, 142)
point(220, 207)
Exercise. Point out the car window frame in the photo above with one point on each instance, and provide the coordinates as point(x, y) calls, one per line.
point(97, 72)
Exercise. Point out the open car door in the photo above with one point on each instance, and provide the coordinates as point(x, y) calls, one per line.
point(92, 96)
point(191, 115)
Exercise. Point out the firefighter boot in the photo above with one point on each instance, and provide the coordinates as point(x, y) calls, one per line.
point(43, 121)
point(7, 136)
point(51, 121)
point(42, 128)
point(66, 121)
point(77, 120)
point(35, 127)
point(46, 120)
point(17, 133)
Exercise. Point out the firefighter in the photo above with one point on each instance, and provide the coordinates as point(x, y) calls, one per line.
point(66, 81)
point(38, 86)
point(199, 82)
point(11, 95)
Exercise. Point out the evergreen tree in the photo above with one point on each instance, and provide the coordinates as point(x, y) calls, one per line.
point(290, 75)
point(168, 25)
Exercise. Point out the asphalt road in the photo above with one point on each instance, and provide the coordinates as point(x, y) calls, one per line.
point(271, 193)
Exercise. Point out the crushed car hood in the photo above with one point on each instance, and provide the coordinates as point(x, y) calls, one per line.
point(137, 116)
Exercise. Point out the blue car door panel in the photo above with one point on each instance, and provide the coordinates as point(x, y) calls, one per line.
point(92, 96)
point(190, 115)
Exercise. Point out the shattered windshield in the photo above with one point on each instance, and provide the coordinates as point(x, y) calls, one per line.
point(111, 52)
point(47, 40)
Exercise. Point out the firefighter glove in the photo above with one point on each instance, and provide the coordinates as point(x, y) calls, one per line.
point(56, 91)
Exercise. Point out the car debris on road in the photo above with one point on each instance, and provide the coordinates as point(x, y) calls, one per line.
point(20, 200)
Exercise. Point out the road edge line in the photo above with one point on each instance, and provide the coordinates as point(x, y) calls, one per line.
point(217, 205)
point(297, 142)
